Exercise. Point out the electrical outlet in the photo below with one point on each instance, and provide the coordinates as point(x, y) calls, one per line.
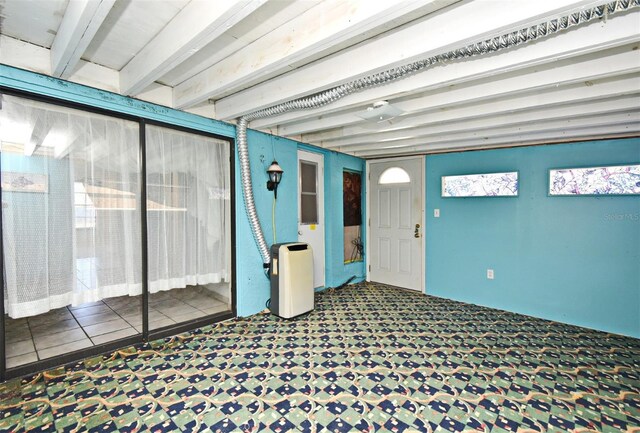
point(436, 213)
point(490, 274)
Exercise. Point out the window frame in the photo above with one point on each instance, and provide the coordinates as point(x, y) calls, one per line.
point(314, 194)
point(146, 335)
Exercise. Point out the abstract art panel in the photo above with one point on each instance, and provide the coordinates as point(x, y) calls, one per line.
point(481, 185)
point(612, 180)
point(352, 198)
point(352, 212)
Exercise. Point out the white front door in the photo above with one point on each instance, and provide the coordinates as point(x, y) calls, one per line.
point(311, 209)
point(396, 223)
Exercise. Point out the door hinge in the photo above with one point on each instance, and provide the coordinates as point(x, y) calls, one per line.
point(369, 268)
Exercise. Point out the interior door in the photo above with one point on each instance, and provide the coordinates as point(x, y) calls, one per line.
point(395, 231)
point(311, 209)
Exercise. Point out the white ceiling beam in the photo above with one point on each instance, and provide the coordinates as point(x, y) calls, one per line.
point(590, 38)
point(323, 29)
point(542, 137)
point(510, 118)
point(432, 35)
point(576, 94)
point(25, 55)
point(196, 25)
point(81, 21)
point(572, 95)
point(556, 74)
point(38, 59)
point(269, 16)
point(564, 127)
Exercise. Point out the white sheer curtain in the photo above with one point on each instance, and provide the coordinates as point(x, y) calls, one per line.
point(70, 200)
point(108, 260)
point(187, 208)
point(71, 207)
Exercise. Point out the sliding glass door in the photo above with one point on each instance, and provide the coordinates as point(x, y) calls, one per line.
point(71, 229)
point(188, 207)
point(78, 274)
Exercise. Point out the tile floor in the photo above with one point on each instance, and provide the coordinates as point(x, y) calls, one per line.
point(69, 329)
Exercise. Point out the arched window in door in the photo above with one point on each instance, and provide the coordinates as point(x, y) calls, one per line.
point(394, 175)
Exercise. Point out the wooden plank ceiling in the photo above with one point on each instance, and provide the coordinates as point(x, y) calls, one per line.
point(224, 59)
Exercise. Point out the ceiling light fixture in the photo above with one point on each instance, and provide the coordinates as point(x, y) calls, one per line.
point(379, 112)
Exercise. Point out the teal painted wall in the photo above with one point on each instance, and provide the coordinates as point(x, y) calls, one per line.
point(252, 284)
point(570, 259)
point(263, 149)
point(337, 271)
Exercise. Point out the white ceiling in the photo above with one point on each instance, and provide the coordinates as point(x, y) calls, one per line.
point(128, 27)
point(224, 59)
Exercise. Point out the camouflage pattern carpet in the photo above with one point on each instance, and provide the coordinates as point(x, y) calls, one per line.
point(369, 358)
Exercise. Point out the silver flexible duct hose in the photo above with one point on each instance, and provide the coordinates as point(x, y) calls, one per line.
point(498, 43)
point(247, 191)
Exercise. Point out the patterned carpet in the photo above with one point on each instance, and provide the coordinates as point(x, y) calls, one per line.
point(369, 358)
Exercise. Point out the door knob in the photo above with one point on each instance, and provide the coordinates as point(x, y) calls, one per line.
point(299, 233)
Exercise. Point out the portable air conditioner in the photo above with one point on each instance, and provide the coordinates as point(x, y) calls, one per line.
point(291, 279)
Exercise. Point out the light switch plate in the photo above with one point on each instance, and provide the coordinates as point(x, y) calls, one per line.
point(436, 213)
point(490, 274)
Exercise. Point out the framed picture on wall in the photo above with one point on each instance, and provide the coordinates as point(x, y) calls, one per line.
point(352, 214)
point(605, 180)
point(504, 184)
point(24, 182)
